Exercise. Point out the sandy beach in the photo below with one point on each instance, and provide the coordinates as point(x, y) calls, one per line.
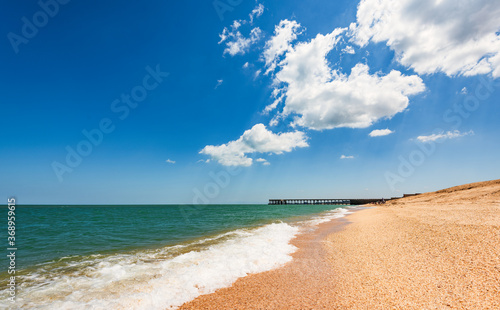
point(438, 250)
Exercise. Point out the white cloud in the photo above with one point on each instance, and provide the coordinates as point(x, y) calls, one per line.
point(284, 34)
point(443, 136)
point(323, 98)
point(346, 157)
point(219, 83)
point(257, 73)
point(255, 140)
point(275, 103)
point(256, 12)
point(236, 43)
point(169, 161)
point(263, 161)
point(464, 91)
point(380, 132)
point(227, 34)
point(454, 37)
point(245, 65)
point(348, 50)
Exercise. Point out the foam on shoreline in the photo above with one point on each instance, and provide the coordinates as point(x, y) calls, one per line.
point(145, 281)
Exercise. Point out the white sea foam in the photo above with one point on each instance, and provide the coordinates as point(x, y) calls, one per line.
point(328, 216)
point(148, 280)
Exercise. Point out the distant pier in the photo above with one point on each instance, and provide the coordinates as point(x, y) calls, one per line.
point(334, 201)
point(323, 201)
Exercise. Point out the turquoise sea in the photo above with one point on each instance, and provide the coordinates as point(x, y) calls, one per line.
point(147, 256)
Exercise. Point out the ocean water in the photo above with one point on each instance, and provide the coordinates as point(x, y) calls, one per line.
point(147, 257)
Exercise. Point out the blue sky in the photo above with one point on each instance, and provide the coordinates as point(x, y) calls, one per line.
point(200, 76)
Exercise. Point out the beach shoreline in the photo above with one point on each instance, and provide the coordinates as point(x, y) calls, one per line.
point(432, 251)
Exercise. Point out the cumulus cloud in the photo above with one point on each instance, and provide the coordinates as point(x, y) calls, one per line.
point(346, 157)
point(169, 161)
point(323, 98)
point(444, 136)
point(380, 132)
point(284, 34)
point(235, 42)
point(454, 37)
point(255, 140)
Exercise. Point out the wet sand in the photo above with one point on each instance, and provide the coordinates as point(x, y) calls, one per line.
point(438, 250)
